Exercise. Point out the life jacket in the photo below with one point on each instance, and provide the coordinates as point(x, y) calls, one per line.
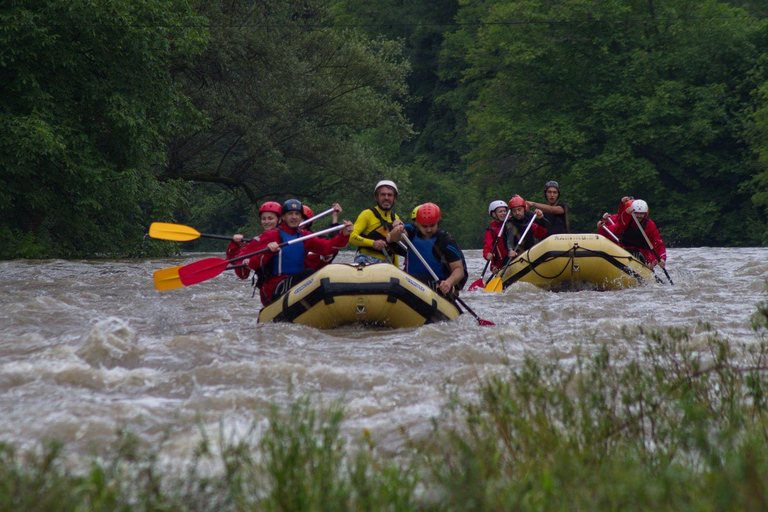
point(433, 251)
point(516, 228)
point(632, 235)
point(382, 231)
point(290, 259)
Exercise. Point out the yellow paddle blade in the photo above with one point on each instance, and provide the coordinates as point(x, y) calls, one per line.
point(494, 285)
point(167, 278)
point(173, 232)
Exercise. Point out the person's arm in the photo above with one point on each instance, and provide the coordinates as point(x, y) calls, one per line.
point(556, 210)
point(453, 279)
point(658, 244)
point(360, 226)
point(327, 247)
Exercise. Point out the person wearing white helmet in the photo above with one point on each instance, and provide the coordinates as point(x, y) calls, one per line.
point(555, 211)
point(626, 229)
point(372, 229)
point(495, 249)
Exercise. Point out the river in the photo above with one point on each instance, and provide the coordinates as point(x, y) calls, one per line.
point(87, 347)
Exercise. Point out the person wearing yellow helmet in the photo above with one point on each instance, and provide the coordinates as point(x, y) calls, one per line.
point(371, 232)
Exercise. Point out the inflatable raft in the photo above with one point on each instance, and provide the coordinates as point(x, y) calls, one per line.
point(380, 294)
point(577, 262)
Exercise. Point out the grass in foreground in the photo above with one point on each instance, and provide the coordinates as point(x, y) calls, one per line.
point(679, 425)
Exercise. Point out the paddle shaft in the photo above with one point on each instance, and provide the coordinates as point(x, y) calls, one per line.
point(650, 246)
point(519, 242)
point(615, 238)
point(496, 243)
point(290, 242)
point(316, 217)
point(434, 276)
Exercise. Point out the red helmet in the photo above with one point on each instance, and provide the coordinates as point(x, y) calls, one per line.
point(428, 214)
point(517, 201)
point(307, 212)
point(270, 206)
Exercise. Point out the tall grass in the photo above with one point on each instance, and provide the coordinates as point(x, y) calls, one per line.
point(679, 424)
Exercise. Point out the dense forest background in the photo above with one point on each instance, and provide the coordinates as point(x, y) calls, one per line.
point(118, 113)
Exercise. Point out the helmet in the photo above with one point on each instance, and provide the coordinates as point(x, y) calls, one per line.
point(552, 184)
point(414, 212)
point(637, 206)
point(270, 206)
point(385, 183)
point(428, 214)
point(517, 201)
point(307, 212)
point(494, 205)
point(293, 205)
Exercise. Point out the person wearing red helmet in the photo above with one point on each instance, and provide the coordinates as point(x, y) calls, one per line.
point(314, 260)
point(437, 247)
point(519, 218)
point(495, 249)
point(555, 211)
point(285, 266)
point(269, 217)
point(373, 226)
point(626, 229)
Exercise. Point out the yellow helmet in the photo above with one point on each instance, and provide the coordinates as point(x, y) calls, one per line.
point(414, 212)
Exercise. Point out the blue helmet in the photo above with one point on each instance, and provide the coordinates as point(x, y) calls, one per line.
point(293, 205)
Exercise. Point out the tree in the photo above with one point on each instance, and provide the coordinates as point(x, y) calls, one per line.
point(87, 99)
point(294, 108)
point(617, 98)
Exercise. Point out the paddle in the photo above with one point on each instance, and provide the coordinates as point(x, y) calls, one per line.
point(496, 284)
point(650, 246)
point(480, 282)
point(199, 271)
point(180, 233)
point(615, 238)
point(316, 217)
point(434, 276)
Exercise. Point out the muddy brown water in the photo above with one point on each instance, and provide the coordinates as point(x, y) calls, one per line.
point(89, 346)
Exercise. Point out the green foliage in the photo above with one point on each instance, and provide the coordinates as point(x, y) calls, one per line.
point(87, 99)
point(616, 98)
point(293, 106)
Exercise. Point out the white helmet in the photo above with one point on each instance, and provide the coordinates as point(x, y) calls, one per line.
point(638, 206)
point(385, 183)
point(495, 205)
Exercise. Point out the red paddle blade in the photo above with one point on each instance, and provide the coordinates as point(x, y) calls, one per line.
point(477, 284)
point(202, 270)
point(484, 322)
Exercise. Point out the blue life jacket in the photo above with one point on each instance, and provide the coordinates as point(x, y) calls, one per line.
point(290, 259)
point(414, 264)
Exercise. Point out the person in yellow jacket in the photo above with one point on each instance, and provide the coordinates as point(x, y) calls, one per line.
point(372, 229)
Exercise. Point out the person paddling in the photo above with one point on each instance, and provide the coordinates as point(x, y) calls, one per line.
point(314, 260)
point(555, 211)
point(519, 219)
point(438, 249)
point(627, 230)
point(285, 266)
point(373, 226)
point(494, 246)
point(269, 217)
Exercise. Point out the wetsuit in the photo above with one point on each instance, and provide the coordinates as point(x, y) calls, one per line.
point(371, 225)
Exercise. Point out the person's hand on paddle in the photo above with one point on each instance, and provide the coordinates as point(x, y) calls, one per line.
point(397, 231)
point(273, 246)
point(539, 214)
point(489, 256)
point(663, 263)
point(511, 255)
point(445, 287)
point(348, 227)
point(238, 239)
point(335, 215)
